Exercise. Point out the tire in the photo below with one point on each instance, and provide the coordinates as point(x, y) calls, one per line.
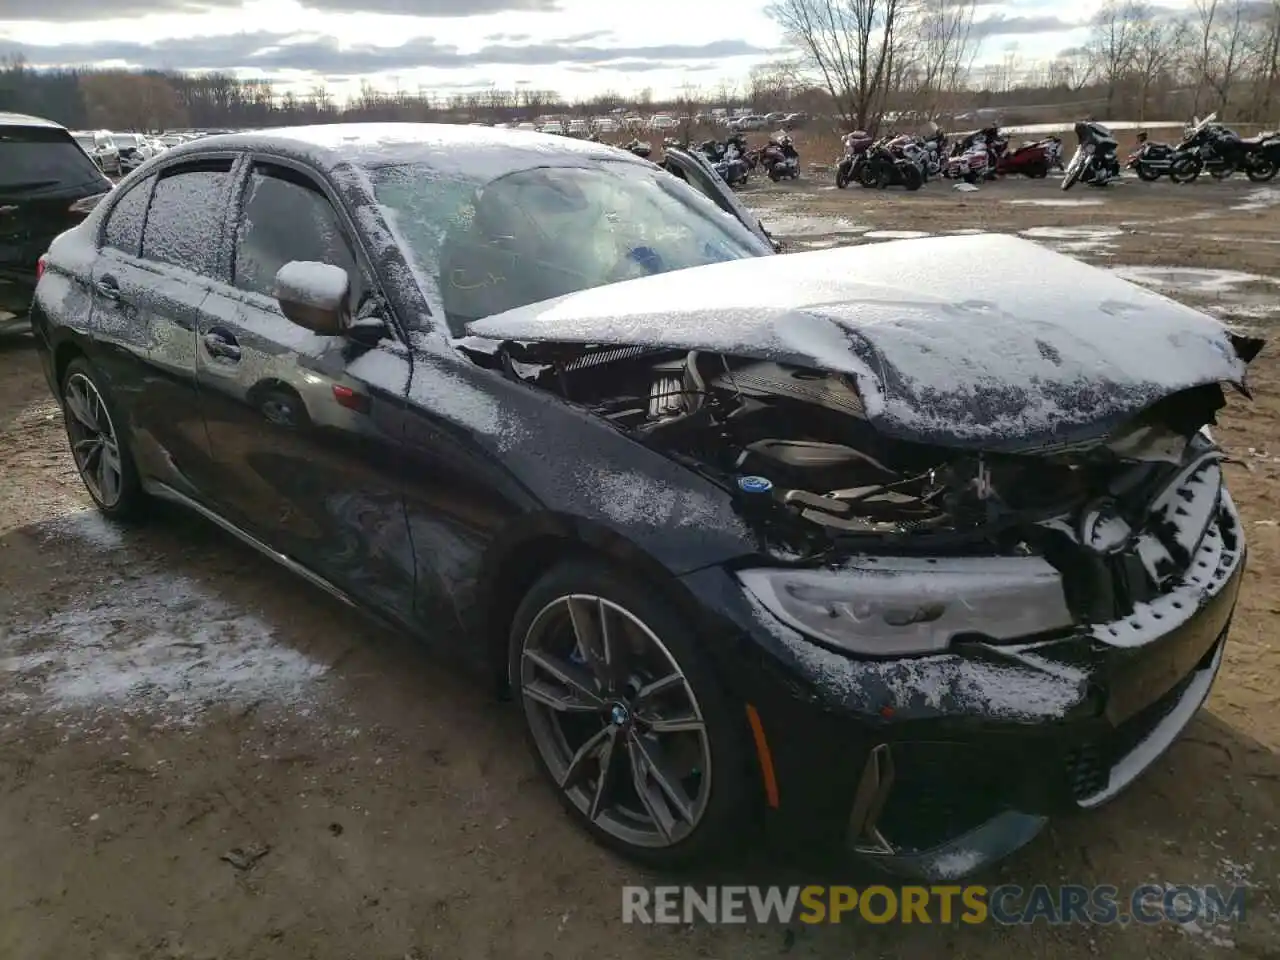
point(1185, 170)
point(1223, 173)
point(1038, 171)
point(85, 398)
point(867, 176)
point(1262, 170)
point(774, 173)
point(715, 783)
point(1147, 173)
point(971, 178)
point(911, 178)
point(842, 177)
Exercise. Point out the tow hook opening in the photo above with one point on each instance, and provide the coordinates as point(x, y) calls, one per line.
point(869, 801)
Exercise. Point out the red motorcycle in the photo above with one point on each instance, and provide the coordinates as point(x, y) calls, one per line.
point(1032, 160)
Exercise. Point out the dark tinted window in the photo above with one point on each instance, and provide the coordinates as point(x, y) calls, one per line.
point(124, 223)
point(40, 158)
point(287, 218)
point(184, 222)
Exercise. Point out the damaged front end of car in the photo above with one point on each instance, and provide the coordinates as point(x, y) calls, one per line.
point(1013, 625)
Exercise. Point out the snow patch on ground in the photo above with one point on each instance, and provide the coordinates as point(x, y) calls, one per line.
point(87, 526)
point(782, 224)
point(157, 645)
point(895, 234)
point(1057, 202)
point(1262, 199)
point(1071, 233)
point(1196, 280)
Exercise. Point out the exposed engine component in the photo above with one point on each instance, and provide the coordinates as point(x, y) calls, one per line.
point(807, 386)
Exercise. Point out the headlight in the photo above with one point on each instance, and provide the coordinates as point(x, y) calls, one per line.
point(891, 606)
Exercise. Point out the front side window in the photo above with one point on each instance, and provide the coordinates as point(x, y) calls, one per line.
point(184, 221)
point(539, 233)
point(285, 218)
point(123, 231)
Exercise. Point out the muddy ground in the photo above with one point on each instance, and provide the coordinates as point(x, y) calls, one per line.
point(168, 697)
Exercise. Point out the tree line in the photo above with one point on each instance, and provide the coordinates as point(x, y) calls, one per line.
point(1140, 59)
point(857, 61)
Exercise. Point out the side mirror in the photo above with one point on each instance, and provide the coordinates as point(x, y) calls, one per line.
point(314, 295)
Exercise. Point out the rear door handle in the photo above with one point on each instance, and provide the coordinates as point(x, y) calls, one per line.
point(222, 345)
point(108, 287)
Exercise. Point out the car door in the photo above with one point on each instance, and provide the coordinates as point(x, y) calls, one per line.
point(306, 429)
point(147, 303)
point(694, 169)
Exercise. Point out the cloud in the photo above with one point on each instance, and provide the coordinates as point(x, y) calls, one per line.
point(582, 37)
point(264, 51)
point(61, 11)
point(69, 10)
point(1000, 25)
point(642, 66)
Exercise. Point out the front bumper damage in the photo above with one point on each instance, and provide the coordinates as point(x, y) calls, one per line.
point(934, 766)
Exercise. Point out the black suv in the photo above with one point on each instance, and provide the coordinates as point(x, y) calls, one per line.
point(47, 185)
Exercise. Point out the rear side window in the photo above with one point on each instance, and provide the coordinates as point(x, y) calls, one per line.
point(184, 221)
point(42, 158)
point(124, 224)
point(285, 218)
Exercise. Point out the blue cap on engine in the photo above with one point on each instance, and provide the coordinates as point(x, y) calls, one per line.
point(755, 484)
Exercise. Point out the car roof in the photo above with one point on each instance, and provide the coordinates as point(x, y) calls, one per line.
point(467, 150)
point(23, 120)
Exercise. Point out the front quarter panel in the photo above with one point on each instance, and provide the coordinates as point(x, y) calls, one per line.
point(500, 463)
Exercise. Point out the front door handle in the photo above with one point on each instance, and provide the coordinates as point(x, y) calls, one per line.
point(108, 287)
point(222, 345)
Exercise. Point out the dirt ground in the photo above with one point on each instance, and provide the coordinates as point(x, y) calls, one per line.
point(167, 697)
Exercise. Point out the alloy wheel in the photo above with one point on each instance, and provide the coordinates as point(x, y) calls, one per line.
point(616, 721)
point(94, 444)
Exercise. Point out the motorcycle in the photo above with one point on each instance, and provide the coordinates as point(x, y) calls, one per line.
point(780, 158)
point(641, 148)
point(881, 166)
point(1095, 161)
point(1214, 148)
point(1151, 161)
point(1032, 159)
point(728, 159)
point(974, 157)
point(855, 146)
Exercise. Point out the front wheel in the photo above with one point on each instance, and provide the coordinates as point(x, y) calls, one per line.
point(1260, 171)
point(1185, 170)
point(626, 718)
point(842, 175)
point(99, 446)
point(912, 179)
point(775, 172)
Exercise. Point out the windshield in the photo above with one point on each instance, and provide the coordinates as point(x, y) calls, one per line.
point(40, 158)
point(536, 234)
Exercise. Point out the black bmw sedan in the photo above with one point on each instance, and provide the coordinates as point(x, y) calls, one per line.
point(871, 547)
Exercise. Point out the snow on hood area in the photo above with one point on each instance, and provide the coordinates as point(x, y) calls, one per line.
point(940, 349)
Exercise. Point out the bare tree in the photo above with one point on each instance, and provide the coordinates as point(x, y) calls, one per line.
point(1113, 43)
point(852, 45)
point(1072, 68)
point(1157, 38)
point(1222, 49)
point(944, 48)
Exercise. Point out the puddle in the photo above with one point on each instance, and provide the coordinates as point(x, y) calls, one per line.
point(797, 225)
point(1071, 233)
point(1097, 248)
point(1063, 202)
point(968, 233)
point(1193, 280)
point(895, 234)
point(1262, 199)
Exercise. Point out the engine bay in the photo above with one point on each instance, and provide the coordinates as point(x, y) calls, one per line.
point(795, 448)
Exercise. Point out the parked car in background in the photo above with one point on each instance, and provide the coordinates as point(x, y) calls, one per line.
point(47, 185)
point(134, 148)
point(662, 121)
point(526, 125)
point(752, 122)
point(606, 125)
point(579, 128)
point(101, 149)
point(554, 127)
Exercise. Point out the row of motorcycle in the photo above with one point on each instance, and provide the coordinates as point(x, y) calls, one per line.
point(909, 160)
point(1211, 147)
point(734, 161)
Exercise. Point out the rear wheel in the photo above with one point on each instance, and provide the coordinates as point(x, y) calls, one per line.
point(1224, 172)
point(625, 717)
point(99, 446)
point(1147, 173)
point(911, 177)
point(1260, 171)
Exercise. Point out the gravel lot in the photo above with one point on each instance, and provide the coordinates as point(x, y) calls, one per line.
point(167, 697)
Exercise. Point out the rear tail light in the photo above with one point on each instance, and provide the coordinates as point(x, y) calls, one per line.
point(85, 205)
point(40, 264)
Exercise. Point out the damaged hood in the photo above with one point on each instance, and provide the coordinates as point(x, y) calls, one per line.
point(979, 341)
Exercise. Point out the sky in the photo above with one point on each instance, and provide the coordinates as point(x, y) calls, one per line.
point(575, 47)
